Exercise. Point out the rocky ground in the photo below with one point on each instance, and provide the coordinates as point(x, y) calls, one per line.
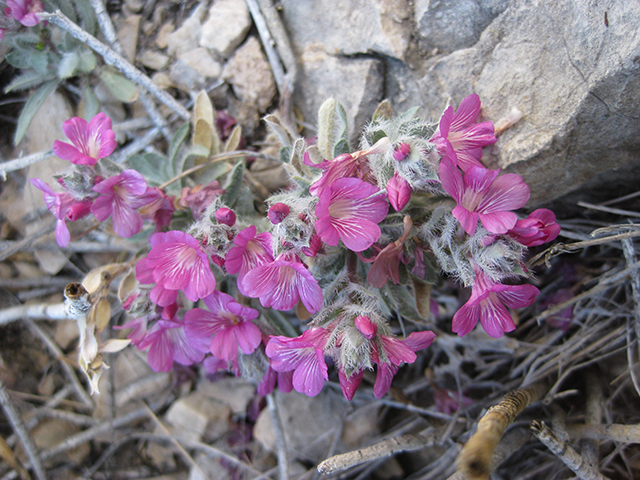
point(571, 72)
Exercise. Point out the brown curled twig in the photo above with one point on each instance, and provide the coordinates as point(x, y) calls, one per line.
point(474, 461)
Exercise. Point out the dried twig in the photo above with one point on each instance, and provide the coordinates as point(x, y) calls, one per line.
point(23, 162)
point(18, 427)
point(614, 432)
point(564, 452)
point(281, 443)
point(474, 460)
point(112, 58)
point(26, 242)
point(110, 34)
point(589, 447)
point(615, 211)
point(42, 311)
point(385, 448)
point(57, 353)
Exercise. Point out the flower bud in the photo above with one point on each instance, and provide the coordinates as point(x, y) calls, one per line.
point(399, 192)
point(366, 327)
point(278, 212)
point(401, 152)
point(226, 215)
point(79, 210)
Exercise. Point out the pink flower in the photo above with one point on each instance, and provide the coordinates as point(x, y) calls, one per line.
point(482, 195)
point(167, 342)
point(251, 251)
point(460, 138)
point(304, 355)
point(228, 322)
point(540, 227)
point(449, 401)
point(399, 192)
point(58, 204)
point(199, 198)
point(350, 210)
point(488, 303)
point(225, 216)
point(91, 141)
point(397, 352)
point(176, 262)
point(24, 11)
point(282, 282)
point(121, 196)
point(157, 207)
point(387, 262)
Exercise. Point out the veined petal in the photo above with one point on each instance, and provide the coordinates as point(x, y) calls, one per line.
point(495, 318)
point(249, 336)
point(451, 179)
point(465, 319)
point(508, 192)
point(467, 112)
point(102, 207)
point(498, 222)
point(468, 220)
point(225, 344)
point(518, 296)
point(126, 222)
point(310, 375)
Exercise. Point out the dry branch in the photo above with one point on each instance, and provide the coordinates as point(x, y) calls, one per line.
point(474, 460)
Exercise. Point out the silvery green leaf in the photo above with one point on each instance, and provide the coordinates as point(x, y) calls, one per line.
point(68, 65)
point(283, 133)
point(25, 80)
point(150, 166)
point(122, 88)
point(91, 102)
point(233, 184)
point(176, 163)
point(86, 61)
point(38, 60)
point(332, 129)
point(32, 106)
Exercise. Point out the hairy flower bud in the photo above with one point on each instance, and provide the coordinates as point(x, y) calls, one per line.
point(278, 212)
point(226, 216)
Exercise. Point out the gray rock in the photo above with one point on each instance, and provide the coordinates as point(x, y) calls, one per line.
point(202, 62)
point(357, 26)
point(357, 83)
point(249, 73)
point(574, 78)
point(188, 35)
point(449, 25)
point(227, 25)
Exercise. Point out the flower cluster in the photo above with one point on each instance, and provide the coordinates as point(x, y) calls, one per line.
point(353, 230)
point(124, 197)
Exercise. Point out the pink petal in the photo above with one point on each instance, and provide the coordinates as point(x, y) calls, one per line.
point(310, 375)
point(419, 340)
point(249, 336)
point(71, 153)
point(102, 207)
point(225, 345)
point(495, 318)
point(451, 179)
point(63, 237)
point(465, 319)
point(518, 296)
point(508, 192)
point(468, 220)
point(126, 222)
point(384, 378)
point(350, 384)
point(498, 222)
point(467, 112)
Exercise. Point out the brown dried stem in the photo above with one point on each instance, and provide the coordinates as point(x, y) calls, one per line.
point(474, 460)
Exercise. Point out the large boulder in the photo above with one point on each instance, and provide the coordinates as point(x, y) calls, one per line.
point(572, 69)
